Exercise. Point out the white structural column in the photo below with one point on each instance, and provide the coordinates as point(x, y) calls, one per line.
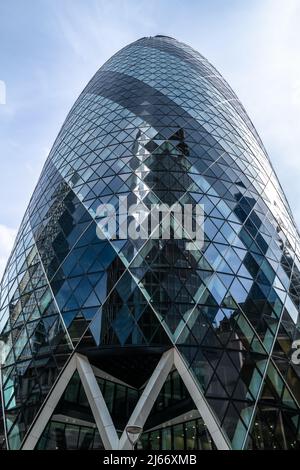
point(202, 406)
point(48, 408)
point(97, 403)
point(149, 395)
point(142, 410)
point(169, 360)
point(95, 398)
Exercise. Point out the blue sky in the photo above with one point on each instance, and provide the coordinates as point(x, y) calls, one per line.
point(49, 49)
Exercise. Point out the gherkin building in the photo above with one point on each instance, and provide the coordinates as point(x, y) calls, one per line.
point(195, 348)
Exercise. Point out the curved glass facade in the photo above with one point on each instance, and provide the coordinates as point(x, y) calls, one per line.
point(159, 125)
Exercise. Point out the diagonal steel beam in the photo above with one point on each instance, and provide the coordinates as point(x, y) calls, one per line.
point(203, 407)
point(97, 403)
point(149, 395)
point(49, 406)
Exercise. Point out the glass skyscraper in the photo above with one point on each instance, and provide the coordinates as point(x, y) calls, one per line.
point(194, 347)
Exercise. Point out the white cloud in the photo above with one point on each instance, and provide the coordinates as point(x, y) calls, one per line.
point(96, 29)
point(2, 92)
point(7, 238)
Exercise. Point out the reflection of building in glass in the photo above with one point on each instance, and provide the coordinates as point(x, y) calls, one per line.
point(192, 346)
